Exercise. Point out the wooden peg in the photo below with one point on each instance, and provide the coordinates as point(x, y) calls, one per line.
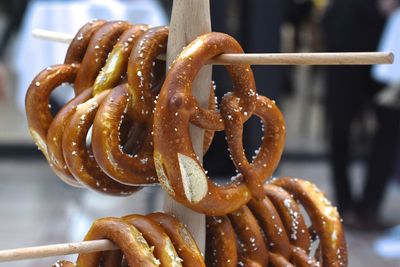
point(189, 19)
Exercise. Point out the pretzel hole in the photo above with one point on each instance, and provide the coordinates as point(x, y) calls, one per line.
point(131, 135)
point(59, 97)
point(253, 131)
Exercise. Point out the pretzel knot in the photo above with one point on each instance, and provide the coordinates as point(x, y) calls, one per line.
point(179, 171)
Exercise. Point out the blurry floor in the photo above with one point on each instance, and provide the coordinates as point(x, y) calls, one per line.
point(36, 209)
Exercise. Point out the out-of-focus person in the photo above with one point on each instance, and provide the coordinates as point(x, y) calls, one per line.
point(356, 25)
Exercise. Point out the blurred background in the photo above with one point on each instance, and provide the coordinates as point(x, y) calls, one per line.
point(342, 121)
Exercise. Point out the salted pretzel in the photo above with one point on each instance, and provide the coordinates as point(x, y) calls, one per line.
point(37, 98)
point(83, 166)
point(135, 100)
point(151, 240)
point(37, 103)
point(70, 142)
point(179, 171)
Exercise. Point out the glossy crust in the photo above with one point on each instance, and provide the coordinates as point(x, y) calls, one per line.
point(99, 47)
point(291, 216)
point(78, 158)
point(221, 249)
point(251, 244)
point(134, 99)
point(129, 239)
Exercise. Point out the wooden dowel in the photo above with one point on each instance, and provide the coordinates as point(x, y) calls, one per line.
point(347, 58)
point(56, 250)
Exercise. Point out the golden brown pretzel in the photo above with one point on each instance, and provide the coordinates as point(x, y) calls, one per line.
point(324, 217)
point(221, 249)
point(179, 171)
point(183, 241)
point(251, 245)
point(110, 75)
point(137, 98)
point(129, 239)
point(81, 164)
point(37, 99)
point(156, 237)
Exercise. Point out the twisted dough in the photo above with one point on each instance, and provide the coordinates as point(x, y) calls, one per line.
point(179, 171)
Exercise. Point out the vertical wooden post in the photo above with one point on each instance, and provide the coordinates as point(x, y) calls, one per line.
point(189, 19)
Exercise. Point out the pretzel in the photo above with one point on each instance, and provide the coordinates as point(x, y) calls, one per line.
point(37, 97)
point(251, 245)
point(109, 76)
point(324, 217)
point(221, 247)
point(136, 97)
point(179, 171)
point(81, 164)
point(181, 239)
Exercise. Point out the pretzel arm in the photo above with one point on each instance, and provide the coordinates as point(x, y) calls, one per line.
point(37, 101)
point(79, 44)
point(55, 137)
point(221, 249)
point(81, 164)
point(156, 237)
point(272, 226)
point(251, 243)
point(269, 154)
point(97, 52)
point(134, 247)
point(182, 240)
point(291, 216)
point(324, 217)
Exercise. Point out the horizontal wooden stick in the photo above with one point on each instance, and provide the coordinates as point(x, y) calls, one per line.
point(56, 250)
point(348, 58)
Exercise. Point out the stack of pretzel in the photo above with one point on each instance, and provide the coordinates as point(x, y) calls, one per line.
point(139, 116)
